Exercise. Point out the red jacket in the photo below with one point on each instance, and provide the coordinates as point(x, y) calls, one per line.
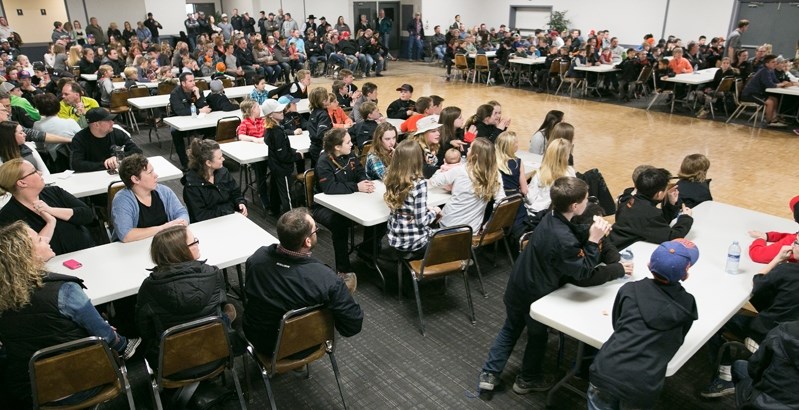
point(763, 251)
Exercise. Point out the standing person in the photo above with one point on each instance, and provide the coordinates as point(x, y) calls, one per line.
point(734, 40)
point(288, 26)
point(153, 25)
point(415, 29)
point(557, 248)
point(318, 123)
point(225, 27)
point(192, 29)
point(181, 99)
point(39, 309)
point(383, 25)
point(95, 30)
point(650, 320)
point(209, 191)
point(285, 276)
point(282, 156)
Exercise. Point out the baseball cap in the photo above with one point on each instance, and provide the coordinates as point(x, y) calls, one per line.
point(216, 86)
point(345, 34)
point(405, 87)
point(322, 18)
point(288, 99)
point(9, 85)
point(671, 259)
point(38, 66)
point(99, 114)
point(426, 124)
point(269, 106)
point(4, 40)
point(23, 75)
point(224, 15)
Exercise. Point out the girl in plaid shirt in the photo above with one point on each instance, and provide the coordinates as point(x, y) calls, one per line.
point(382, 151)
point(409, 224)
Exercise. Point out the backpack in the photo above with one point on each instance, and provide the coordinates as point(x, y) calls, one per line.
point(599, 189)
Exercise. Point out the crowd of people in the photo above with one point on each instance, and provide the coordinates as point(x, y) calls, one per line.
point(474, 158)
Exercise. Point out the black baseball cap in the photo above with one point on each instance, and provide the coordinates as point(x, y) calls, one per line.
point(405, 87)
point(99, 114)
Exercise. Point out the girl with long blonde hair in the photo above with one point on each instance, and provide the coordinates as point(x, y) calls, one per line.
point(473, 186)
point(511, 169)
point(409, 223)
point(554, 165)
point(75, 54)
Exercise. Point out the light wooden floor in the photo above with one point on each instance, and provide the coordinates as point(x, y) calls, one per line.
point(748, 165)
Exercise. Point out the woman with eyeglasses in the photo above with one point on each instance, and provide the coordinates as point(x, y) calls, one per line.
point(49, 210)
point(180, 288)
point(12, 145)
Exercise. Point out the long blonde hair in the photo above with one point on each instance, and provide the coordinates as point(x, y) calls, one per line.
point(75, 54)
point(481, 165)
point(10, 172)
point(20, 272)
point(555, 163)
point(506, 150)
point(406, 167)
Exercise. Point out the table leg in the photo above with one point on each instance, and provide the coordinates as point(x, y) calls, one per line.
point(375, 249)
point(564, 382)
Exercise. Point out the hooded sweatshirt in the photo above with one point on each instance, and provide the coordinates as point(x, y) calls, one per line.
point(774, 371)
point(650, 321)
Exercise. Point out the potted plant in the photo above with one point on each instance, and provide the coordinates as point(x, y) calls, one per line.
point(558, 21)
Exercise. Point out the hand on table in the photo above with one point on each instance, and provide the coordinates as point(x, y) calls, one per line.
point(205, 110)
point(758, 235)
point(298, 131)
point(628, 268)
point(366, 186)
point(176, 222)
point(111, 163)
point(243, 209)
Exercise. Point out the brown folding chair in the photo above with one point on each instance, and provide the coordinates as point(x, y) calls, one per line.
point(60, 371)
point(119, 105)
point(573, 82)
point(308, 182)
point(227, 83)
point(367, 146)
point(495, 230)
point(726, 85)
point(655, 80)
point(117, 79)
point(113, 189)
point(300, 330)
point(226, 129)
point(481, 66)
point(462, 65)
point(166, 87)
point(643, 81)
point(741, 106)
point(190, 353)
point(554, 71)
point(202, 85)
point(524, 240)
point(448, 252)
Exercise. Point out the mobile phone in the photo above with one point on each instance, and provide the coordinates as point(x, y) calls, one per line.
point(111, 172)
point(73, 264)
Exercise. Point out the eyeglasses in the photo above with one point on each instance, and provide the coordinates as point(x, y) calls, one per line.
point(35, 171)
point(313, 232)
point(195, 242)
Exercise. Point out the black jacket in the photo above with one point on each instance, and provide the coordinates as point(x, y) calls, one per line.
point(694, 193)
point(89, 152)
point(220, 102)
point(650, 321)
point(776, 297)
point(87, 67)
point(487, 131)
point(35, 326)
point(363, 132)
point(181, 102)
point(339, 177)
point(609, 267)
point(205, 200)
point(277, 282)
point(244, 56)
point(177, 294)
point(281, 156)
point(318, 124)
point(774, 372)
point(639, 219)
point(314, 48)
point(399, 109)
point(557, 248)
point(347, 47)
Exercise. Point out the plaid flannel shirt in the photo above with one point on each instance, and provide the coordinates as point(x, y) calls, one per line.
point(375, 168)
point(409, 226)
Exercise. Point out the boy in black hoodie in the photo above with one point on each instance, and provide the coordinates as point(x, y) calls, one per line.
point(650, 320)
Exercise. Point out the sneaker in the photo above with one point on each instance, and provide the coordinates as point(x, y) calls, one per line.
point(702, 114)
point(488, 381)
point(130, 349)
point(796, 131)
point(718, 388)
point(777, 124)
point(350, 279)
point(540, 384)
point(378, 75)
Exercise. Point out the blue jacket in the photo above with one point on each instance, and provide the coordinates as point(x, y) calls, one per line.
point(125, 209)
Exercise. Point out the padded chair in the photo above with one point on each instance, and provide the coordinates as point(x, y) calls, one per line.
point(117, 79)
point(166, 87)
point(741, 106)
point(202, 85)
point(308, 182)
point(226, 129)
point(481, 66)
point(554, 72)
point(201, 345)
point(496, 230)
point(448, 252)
point(119, 105)
point(300, 330)
point(660, 93)
point(462, 65)
point(108, 219)
point(75, 70)
point(643, 80)
point(367, 146)
point(726, 85)
point(63, 370)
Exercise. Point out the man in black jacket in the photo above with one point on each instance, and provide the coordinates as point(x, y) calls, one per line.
point(639, 219)
point(556, 249)
point(284, 277)
point(93, 148)
point(650, 320)
point(181, 99)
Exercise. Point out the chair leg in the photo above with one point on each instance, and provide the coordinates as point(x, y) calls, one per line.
point(654, 99)
point(336, 374)
point(418, 304)
point(507, 250)
point(468, 294)
point(399, 279)
point(479, 274)
point(240, 276)
point(156, 395)
point(239, 392)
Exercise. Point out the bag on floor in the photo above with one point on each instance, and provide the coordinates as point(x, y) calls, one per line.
point(599, 189)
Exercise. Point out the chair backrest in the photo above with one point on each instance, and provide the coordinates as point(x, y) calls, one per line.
point(503, 216)
point(554, 69)
point(308, 182)
point(481, 62)
point(563, 67)
point(62, 370)
point(524, 240)
point(644, 75)
point(226, 129)
point(113, 189)
point(166, 87)
point(119, 98)
point(725, 85)
point(303, 329)
point(367, 146)
point(117, 79)
point(227, 83)
point(738, 88)
point(138, 91)
point(448, 245)
point(194, 344)
point(202, 85)
point(75, 70)
point(460, 61)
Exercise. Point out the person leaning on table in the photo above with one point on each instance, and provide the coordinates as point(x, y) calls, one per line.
point(144, 208)
point(39, 309)
point(93, 146)
point(209, 190)
point(181, 99)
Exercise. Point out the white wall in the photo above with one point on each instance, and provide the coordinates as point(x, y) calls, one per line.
point(169, 13)
point(32, 26)
point(77, 12)
point(118, 12)
point(689, 19)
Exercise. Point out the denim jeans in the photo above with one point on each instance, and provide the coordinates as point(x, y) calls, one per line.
point(315, 60)
point(74, 304)
point(440, 51)
point(384, 39)
point(500, 351)
point(351, 62)
point(414, 41)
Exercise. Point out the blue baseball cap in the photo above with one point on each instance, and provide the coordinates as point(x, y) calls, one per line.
point(671, 259)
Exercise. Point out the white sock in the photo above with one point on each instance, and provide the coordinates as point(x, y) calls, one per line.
point(725, 373)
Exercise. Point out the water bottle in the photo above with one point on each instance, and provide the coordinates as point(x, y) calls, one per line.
point(626, 255)
point(193, 111)
point(733, 258)
point(119, 153)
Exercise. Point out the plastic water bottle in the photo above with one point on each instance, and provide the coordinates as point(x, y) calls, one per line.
point(626, 255)
point(119, 153)
point(733, 258)
point(193, 111)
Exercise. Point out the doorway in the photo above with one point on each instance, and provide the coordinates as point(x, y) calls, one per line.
point(370, 8)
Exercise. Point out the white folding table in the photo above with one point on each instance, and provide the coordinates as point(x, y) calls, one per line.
point(600, 70)
point(85, 184)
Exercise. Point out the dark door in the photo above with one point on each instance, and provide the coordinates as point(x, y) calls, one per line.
point(208, 8)
point(770, 23)
point(366, 8)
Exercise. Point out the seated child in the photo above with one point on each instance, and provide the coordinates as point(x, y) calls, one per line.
point(341, 94)
point(364, 130)
point(217, 100)
point(292, 122)
point(259, 92)
point(337, 115)
point(404, 106)
point(131, 76)
point(768, 244)
point(663, 72)
point(651, 317)
point(252, 129)
point(639, 219)
point(693, 183)
point(104, 74)
point(452, 159)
